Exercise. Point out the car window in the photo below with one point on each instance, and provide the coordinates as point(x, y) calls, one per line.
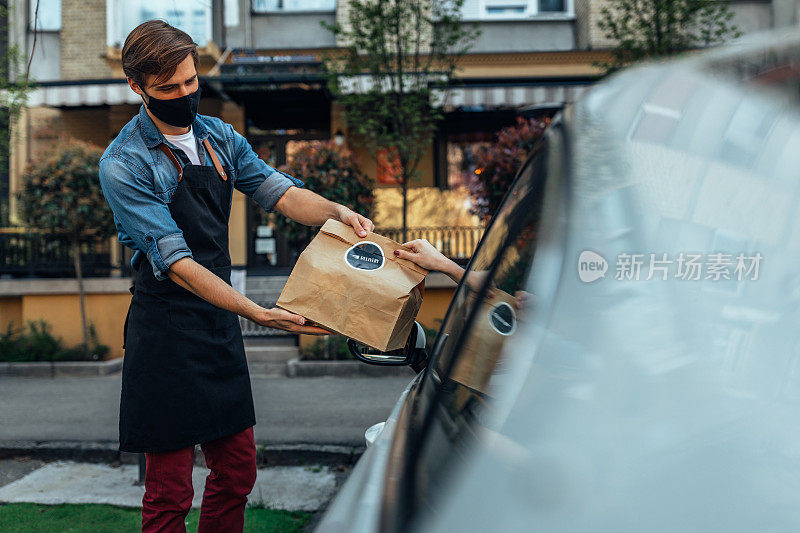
point(466, 298)
point(487, 310)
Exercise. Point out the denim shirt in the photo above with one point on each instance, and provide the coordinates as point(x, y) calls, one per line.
point(138, 180)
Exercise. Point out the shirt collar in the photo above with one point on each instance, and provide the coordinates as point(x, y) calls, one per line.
point(152, 135)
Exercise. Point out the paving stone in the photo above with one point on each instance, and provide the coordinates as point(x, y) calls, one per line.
point(291, 488)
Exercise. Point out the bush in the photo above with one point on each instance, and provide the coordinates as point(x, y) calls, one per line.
point(38, 344)
point(61, 194)
point(328, 347)
point(497, 165)
point(331, 171)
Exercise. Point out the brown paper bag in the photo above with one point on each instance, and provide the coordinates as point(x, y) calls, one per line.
point(495, 322)
point(356, 287)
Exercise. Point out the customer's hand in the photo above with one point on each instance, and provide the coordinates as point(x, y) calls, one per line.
point(360, 224)
point(424, 254)
point(282, 319)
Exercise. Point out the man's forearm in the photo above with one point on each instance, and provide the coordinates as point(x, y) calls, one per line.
point(307, 207)
point(196, 278)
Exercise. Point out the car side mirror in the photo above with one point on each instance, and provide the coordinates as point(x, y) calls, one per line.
point(413, 354)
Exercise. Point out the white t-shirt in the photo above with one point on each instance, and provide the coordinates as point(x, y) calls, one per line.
point(187, 143)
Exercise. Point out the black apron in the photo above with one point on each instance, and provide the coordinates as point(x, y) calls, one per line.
point(184, 375)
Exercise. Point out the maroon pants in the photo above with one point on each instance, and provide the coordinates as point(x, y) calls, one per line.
point(168, 486)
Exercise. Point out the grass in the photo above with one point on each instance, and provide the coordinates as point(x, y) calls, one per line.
point(91, 518)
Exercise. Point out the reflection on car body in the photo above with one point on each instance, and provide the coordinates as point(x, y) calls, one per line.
point(653, 397)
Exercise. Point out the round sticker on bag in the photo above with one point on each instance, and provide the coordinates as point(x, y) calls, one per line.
point(503, 319)
point(365, 255)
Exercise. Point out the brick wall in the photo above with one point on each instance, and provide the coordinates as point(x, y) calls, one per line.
point(342, 13)
point(582, 24)
point(587, 15)
point(83, 39)
point(596, 39)
point(750, 16)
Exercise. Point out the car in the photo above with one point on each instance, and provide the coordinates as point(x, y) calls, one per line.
point(623, 352)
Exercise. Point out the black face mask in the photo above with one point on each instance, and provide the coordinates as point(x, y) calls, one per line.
point(178, 112)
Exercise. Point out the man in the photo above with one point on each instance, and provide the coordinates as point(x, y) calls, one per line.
point(169, 177)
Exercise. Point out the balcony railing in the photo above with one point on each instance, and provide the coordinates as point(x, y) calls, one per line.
point(456, 242)
point(28, 254)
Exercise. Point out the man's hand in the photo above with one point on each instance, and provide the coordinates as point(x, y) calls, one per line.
point(360, 224)
point(282, 319)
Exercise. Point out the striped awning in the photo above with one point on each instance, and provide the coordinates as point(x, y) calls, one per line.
point(115, 92)
point(83, 94)
point(512, 96)
point(484, 95)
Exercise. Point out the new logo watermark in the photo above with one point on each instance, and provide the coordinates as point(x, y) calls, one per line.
point(686, 266)
point(591, 266)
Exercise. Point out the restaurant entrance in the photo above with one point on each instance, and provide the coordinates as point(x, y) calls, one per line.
point(268, 251)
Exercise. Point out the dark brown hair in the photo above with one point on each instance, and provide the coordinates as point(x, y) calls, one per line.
point(154, 48)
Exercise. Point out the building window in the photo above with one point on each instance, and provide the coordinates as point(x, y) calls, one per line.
point(49, 17)
point(551, 6)
point(280, 6)
point(505, 7)
point(510, 9)
point(188, 15)
point(231, 14)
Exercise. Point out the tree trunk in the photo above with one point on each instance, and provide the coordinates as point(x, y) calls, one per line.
point(405, 208)
point(76, 257)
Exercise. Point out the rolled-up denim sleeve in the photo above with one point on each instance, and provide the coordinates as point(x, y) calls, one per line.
point(142, 214)
point(255, 178)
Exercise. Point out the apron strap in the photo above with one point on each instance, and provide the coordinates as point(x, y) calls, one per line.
point(164, 148)
point(215, 159)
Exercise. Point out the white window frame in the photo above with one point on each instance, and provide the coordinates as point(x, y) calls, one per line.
point(527, 11)
point(531, 11)
point(231, 14)
point(255, 11)
point(42, 9)
point(115, 19)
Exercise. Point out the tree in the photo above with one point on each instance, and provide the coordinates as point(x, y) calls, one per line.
point(13, 95)
point(330, 171)
point(657, 28)
point(498, 164)
point(396, 61)
point(62, 195)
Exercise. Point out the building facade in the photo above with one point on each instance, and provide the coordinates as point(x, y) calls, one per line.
point(260, 68)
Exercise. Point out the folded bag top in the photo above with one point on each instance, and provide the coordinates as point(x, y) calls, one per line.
point(346, 233)
point(356, 286)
